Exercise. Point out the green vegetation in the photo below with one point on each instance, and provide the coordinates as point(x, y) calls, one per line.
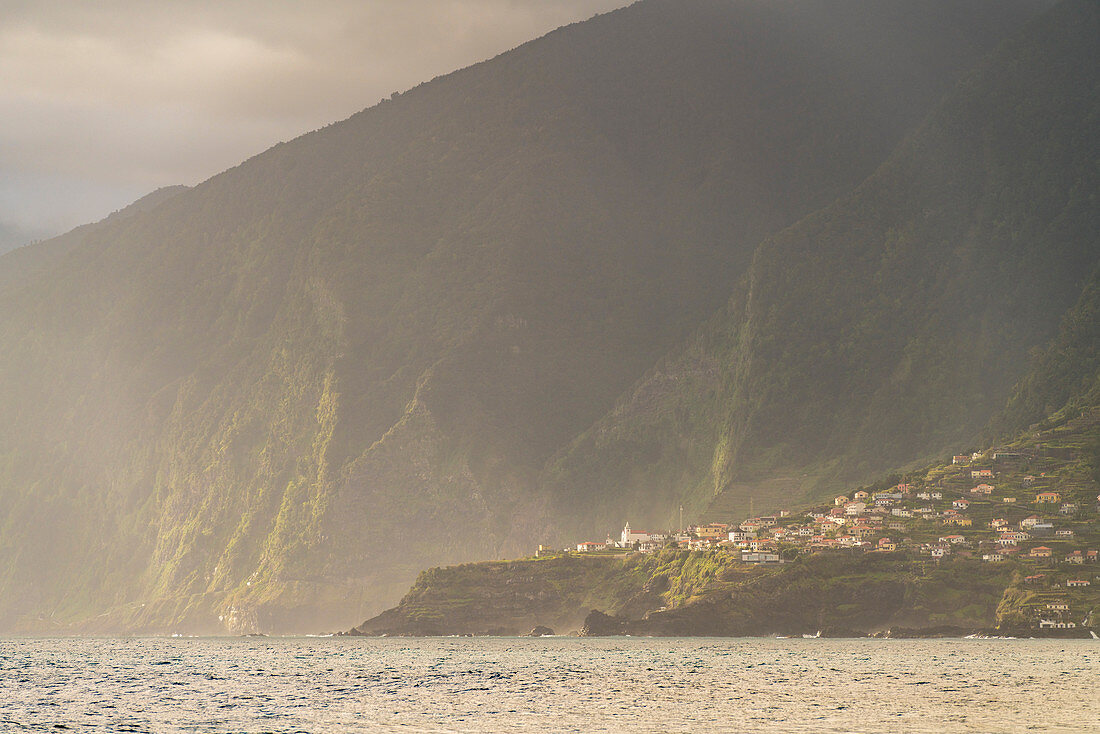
point(846, 592)
point(889, 327)
point(416, 336)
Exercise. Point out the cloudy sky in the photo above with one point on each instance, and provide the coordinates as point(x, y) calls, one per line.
point(102, 102)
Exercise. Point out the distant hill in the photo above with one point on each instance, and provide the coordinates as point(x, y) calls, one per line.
point(12, 236)
point(268, 401)
point(18, 267)
point(888, 326)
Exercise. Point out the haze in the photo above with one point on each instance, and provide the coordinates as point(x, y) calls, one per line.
point(104, 102)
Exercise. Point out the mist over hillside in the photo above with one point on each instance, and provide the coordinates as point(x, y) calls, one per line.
point(889, 326)
point(268, 401)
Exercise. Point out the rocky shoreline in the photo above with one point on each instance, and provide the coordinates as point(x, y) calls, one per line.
point(709, 594)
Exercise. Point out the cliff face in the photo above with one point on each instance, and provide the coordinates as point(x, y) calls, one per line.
point(680, 593)
point(266, 402)
point(888, 326)
point(837, 595)
point(514, 597)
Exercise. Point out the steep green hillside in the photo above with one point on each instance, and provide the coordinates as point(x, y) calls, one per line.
point(1065, 376)
point(889, 325)
point(267, 402)
point(925, 585)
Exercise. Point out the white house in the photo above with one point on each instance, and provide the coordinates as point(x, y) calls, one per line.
point(853, 509)
point(1055, 624)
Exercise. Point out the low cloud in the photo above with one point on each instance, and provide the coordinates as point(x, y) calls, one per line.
point(105, 101)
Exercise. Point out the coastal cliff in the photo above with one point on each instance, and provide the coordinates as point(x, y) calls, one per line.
point(702, 593)
point(514, 597)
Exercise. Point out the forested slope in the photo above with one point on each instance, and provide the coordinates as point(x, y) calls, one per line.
point(888, 326)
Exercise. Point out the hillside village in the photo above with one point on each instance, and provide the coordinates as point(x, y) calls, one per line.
point(1034, 506)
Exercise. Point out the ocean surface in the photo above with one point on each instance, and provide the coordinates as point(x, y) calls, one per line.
point(548, 684)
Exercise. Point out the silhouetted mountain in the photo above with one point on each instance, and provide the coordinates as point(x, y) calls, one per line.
point(268, 401)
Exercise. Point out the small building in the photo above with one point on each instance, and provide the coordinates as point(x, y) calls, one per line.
point(711, 531)
point(1009, 500)
point(863, 531)
point(1068, 508)
point(1044, 498)
point(1076, 558)
point(853, 509)
point(860, 496)
point(1041, 530)
point(1014, 536)
point(840, 500)
point(993, 557)
point(1041, 551)
point(981, 473)
point(986, 489)
point(591, 545)
point(937, 495)
point(1056, 624)
point(960, 504)
point(1071, 583)
point(960, 459)
point(759, 557)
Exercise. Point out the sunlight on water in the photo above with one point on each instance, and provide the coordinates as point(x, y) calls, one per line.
point(548, 684)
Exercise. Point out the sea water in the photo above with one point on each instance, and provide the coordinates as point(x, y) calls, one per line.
point(548, 684)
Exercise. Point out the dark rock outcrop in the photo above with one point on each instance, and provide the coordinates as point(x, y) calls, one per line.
point(598, 624)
